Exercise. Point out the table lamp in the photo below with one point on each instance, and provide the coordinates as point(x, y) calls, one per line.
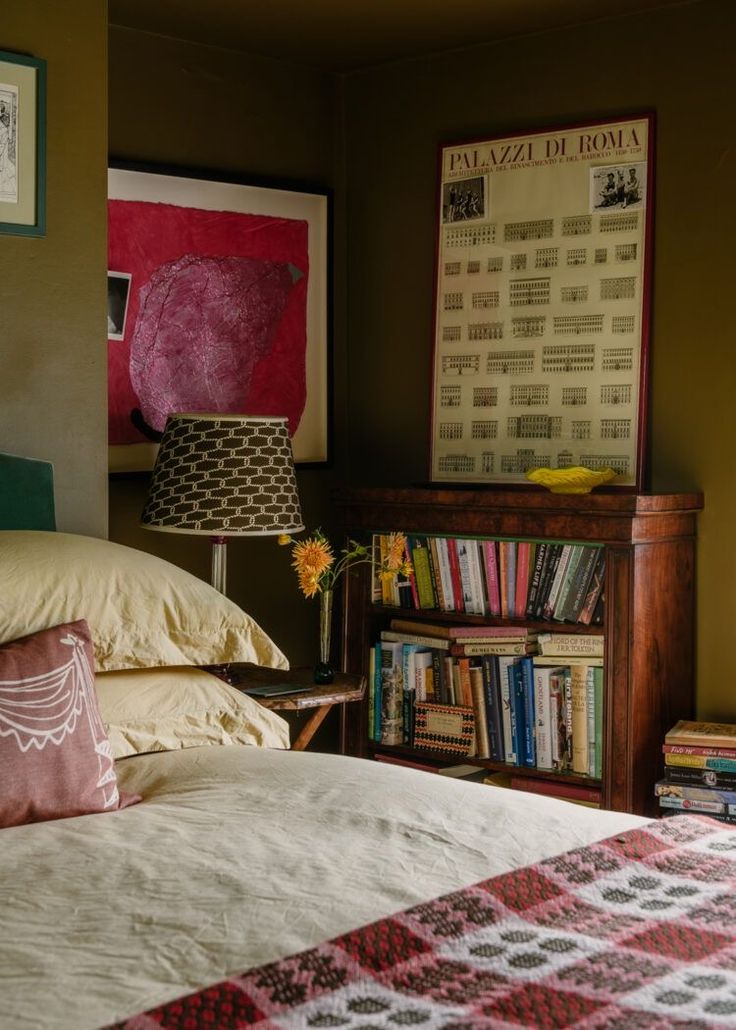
point(222, 476)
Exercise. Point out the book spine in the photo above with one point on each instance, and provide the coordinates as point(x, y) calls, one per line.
point(413, 595)
point(579, 696)
point(422, 574)
point(505, 674)
point(551, 601)
point(568, 717)
point(491, 685)
point(686, 804)
point(543, 714)
point(510, 577)
point(376, 584)
point(377, 694)
point(557, 645)
point(576, 551)
point(702, 762)
point(434, 560)
point(580, 583)
point(557, 717)
point(458, 601)
point(585, 616)
point(666, 789)
point(708, 752)
point(490, 565)
point(443, 558)
point(527, 677)
point(552, 560)
point(372, 693)
point(489, 647)
point(598, 766)
point(590, 708)
point(521, 592)
point(392, 636)
point(408, 652)
point(463, 565)
point(536, 578)
point(516, 680)
point(477, 690)
point(476, 577)
point(701, 777)
point(466, 694)
point(392, 693)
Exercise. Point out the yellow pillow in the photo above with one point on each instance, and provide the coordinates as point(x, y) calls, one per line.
point(142, 611)
point(167, 709)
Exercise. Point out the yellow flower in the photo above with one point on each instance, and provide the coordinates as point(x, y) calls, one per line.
point(312, 558)
point(283, 540)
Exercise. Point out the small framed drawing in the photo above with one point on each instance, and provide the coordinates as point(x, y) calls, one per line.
point(217, 302)
point(22, 145)
point(542, 305)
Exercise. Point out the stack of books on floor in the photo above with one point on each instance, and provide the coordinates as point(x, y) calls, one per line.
point(700, 770)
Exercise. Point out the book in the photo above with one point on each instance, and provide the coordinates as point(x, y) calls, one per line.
point(451, 632)
point(458, 602)
point(518, 729)
point(568, 659)
point(551, 559)
point(663, 788)
point(598, 725)
point(579, 709)
point(701, 762)
point(422, 572)
point(540, 554)
point(580, 583)
point(701, 777)
point(509, 546)
point(423, 679)
point(554, 788)
point(377, 683)
point(414, 638)
point(590, 710)
point(702, 734)
point(564, 644)
point(494, 717)
point(574, 557)
point(371, 692)
point(558, 729)
point(443, 564)
point(465, 694)
point(477, 692)
point(505, 666)
point(492, 647)
point(444, 728)
point(466, 584)
point(546, 728)
point(477, 578)
point(392, 692)
point(595, 590)
point(556, 584)
point(439, 576)
point(709, 752)
point(490, 568)
point(521, 593)
point(530, 742)
point(693, 806)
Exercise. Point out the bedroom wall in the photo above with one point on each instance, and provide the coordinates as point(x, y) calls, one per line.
point(183, 104)
point(677, 62)
point(53, 289)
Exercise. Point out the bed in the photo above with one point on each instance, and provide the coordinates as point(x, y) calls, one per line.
point(225, 854)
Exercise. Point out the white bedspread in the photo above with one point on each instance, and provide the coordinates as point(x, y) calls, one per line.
point(238, 856)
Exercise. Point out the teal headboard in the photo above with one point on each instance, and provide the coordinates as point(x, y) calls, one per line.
point(26, 493)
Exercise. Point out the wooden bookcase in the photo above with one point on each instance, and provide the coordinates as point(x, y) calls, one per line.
point(649, 606)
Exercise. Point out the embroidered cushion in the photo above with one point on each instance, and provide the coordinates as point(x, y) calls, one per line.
point(55, 757)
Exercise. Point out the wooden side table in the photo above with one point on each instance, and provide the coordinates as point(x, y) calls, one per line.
point(345, 688)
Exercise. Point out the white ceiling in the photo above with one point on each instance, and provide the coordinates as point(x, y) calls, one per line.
point(346, 35)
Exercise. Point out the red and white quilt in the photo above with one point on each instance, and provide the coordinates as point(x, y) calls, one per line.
point(636, 931)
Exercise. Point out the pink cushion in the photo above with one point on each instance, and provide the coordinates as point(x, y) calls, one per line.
point(55, 758)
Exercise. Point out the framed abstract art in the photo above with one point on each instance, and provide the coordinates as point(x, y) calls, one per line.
point(217, 302)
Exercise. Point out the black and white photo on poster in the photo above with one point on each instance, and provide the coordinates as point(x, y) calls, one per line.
point(466, 200)
point(118, 288)
point(618, 186)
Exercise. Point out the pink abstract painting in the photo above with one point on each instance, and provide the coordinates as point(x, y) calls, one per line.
point(216, 316)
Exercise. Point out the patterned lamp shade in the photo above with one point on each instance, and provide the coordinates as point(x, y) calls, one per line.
point(224, 475)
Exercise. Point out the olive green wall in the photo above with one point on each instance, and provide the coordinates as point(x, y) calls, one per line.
point(677, 62)
point(53, 368)
point(182, 104)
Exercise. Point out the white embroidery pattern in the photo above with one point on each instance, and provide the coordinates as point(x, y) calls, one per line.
point(43, 710)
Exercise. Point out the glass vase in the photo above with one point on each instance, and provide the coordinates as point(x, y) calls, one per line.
point(323, 670)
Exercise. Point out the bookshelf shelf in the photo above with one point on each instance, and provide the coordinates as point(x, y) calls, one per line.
point(649, 542)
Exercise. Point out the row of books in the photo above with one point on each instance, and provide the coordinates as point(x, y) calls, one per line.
point(520, 579)
point(700, 770)
point(486, 691)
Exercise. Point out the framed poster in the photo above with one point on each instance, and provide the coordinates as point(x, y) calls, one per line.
point(22, 145)
point(217, 302)
point(542, 303)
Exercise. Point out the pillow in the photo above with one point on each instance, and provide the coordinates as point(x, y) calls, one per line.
point(142, 611)
point(167, 709)
point(55, 758)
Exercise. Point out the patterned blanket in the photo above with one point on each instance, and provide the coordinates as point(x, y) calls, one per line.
point(637, 931)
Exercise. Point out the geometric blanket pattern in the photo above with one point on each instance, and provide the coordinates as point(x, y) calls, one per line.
point(636, 931)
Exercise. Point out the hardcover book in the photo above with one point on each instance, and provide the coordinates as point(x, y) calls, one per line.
point(702, 734)
point(446, 728)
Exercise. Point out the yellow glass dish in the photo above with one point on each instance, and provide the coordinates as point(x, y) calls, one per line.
point(575, 480)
